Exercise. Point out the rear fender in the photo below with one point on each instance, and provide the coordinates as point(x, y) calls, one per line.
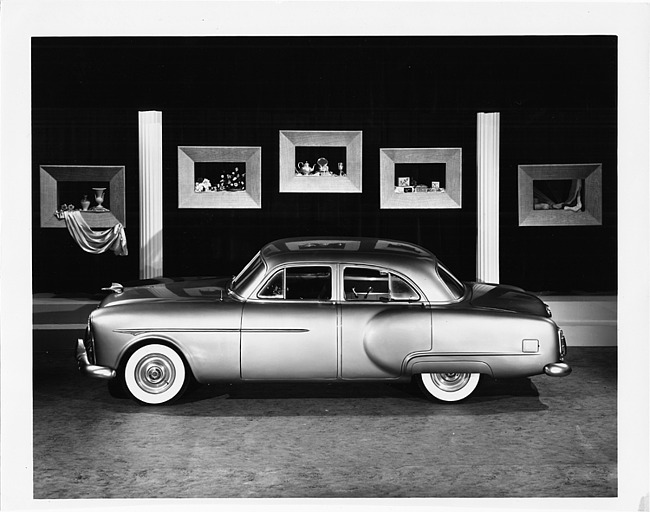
point(443, 365)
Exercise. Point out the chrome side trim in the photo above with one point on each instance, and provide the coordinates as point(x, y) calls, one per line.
point(91, 370)
point(144, 330)
point(557, 369)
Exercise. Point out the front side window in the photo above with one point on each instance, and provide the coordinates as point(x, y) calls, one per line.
point(299, 283)
point(369, 284)
point(274, 287)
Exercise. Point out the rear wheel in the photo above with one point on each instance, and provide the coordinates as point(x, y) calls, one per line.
point(448, 387)
point(155, 374)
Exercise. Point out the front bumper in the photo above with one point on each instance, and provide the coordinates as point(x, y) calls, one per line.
point(91, 370)
point(557, 369)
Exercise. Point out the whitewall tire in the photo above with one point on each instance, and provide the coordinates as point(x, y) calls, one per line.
point(155, 374)
point(448, 387)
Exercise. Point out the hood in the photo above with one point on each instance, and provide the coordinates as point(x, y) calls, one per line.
point(174, 290)
point(507, 298)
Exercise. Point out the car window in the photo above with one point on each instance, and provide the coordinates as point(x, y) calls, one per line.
point(401, 290)
point(274, 288)
point(455, 286)
point(299, 283)
point(369, 284)
point(249, 274)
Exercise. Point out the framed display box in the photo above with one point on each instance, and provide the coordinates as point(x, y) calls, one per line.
point(320, 161)
point(68, 184)
point(420, 177)
point(219, 177)
point(560, 195)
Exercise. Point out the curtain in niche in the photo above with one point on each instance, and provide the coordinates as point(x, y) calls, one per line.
point(95, 242)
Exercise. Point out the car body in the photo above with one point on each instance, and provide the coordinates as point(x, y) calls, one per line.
point(321, 309)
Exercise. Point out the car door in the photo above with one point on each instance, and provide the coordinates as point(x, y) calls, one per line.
point(384, 317)
point(290, 328)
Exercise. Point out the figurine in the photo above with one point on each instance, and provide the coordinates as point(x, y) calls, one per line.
point(323, 166)
point(304, 168)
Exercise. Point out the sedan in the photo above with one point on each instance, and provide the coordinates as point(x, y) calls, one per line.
point(321, 309)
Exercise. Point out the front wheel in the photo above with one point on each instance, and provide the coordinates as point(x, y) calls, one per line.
point(155, 374)
point(448, 387)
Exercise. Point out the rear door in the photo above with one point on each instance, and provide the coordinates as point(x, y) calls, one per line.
point(384, 317)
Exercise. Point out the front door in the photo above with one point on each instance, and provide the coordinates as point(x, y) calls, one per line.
point(290, 330)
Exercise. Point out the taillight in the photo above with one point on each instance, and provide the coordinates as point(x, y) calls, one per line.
point(562, 344)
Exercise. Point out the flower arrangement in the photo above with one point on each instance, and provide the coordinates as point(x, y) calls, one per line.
point(231, 181)
point(63, 208)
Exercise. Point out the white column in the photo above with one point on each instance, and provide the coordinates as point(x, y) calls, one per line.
point(487, 160)
point(151, 212)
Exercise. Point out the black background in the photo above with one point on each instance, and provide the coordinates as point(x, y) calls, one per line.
point(556, 96)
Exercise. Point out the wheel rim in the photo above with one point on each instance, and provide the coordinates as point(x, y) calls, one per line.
point(155, 373)
point(450, 382)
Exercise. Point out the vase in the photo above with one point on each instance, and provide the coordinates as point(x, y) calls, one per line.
point(99, 199)
point(85, 203)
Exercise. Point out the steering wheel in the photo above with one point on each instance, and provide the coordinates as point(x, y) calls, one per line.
point(367, 293)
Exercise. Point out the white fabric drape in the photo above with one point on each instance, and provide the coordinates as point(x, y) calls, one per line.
point(96, 242)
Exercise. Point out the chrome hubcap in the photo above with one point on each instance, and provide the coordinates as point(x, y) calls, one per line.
point(155, 373)
point(450, 381)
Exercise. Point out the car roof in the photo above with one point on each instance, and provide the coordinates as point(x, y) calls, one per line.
point(379, 251)
point(411, 260)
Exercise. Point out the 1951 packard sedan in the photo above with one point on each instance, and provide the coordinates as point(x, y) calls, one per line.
point(321, 310)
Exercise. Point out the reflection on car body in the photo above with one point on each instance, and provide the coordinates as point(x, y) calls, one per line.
point(321, 309)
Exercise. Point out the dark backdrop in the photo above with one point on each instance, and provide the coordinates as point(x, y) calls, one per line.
point(556, 96)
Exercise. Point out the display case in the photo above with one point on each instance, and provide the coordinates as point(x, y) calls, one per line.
point(95, 190)
point(560, 195)
point(320, 161)
point(420, 177)
point(219, 177)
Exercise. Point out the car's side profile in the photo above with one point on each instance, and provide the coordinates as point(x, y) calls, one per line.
point(321, 309)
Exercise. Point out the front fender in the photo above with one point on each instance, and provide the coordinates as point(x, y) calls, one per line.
point(207, 334)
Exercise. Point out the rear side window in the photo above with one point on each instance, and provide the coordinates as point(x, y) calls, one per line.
point(455, 286)
point(369, 284)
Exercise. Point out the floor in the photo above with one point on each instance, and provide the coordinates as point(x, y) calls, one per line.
point(536, 437)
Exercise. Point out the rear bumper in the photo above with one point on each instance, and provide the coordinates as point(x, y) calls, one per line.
point(91, 370)
point(557, 369)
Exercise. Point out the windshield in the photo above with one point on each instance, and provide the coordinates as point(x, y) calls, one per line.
point(456, 288)
point(250, 273)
